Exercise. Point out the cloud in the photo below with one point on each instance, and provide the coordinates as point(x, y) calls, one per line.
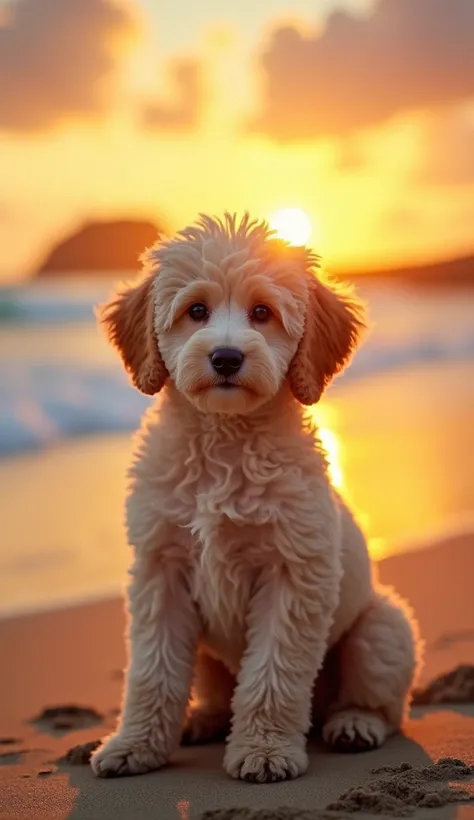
point(446, 155)
point(59, 58)
point(184, 112)
point(352, 155)
point(361, 71)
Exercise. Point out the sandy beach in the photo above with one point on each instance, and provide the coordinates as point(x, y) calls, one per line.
point(75, 656)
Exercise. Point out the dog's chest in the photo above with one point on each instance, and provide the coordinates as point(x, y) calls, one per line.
point(223, 572)
point(231, 511)
point(226, 558)
point(228, 482)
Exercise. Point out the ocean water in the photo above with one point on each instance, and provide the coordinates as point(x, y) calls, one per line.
point(59, 379)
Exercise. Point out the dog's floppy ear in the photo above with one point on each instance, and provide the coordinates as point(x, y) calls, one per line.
point(128, 321)
point(334, 321)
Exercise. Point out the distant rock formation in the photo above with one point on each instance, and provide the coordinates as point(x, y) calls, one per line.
point(442, 273)
point(116, 245)
point(105, 247)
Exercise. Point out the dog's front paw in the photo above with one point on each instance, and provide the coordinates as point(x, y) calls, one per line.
point(259, 760)
point(120, 756)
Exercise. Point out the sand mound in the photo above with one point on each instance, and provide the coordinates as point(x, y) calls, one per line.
point(456, 686)
point(406, 788)
point(271, 814)
point(67, 718)
point(80, 755)
point(399, 793)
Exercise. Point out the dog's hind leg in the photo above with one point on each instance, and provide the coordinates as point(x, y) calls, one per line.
point(209, 711)
point(379, 658)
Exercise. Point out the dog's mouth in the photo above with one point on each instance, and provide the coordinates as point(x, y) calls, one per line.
point(229, 386)
point(222, 384)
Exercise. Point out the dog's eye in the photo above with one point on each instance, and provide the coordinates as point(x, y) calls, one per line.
point(198, 312)
point(261, 313)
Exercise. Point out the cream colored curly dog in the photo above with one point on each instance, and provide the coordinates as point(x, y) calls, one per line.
point(249, 572)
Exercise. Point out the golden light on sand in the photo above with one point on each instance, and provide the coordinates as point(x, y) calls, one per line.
point(293, 225)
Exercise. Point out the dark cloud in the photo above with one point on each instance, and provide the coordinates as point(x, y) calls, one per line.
point(184, 112)
point(58, 58)
point(361, 71)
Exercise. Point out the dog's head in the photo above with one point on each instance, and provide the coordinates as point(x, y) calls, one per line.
point(228, 313)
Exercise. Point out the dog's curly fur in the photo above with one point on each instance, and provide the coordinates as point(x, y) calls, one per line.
point(249, 571)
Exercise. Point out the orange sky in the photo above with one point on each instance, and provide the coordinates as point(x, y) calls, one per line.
point(196, 108)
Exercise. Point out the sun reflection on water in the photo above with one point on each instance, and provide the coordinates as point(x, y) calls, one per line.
point(377, 548)
point(332, 447)
point(325, 418)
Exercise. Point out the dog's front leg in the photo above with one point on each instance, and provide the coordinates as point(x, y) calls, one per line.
point(163, 636)
point(288, 627)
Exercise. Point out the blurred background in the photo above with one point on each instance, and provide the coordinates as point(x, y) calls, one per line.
point(348, 124)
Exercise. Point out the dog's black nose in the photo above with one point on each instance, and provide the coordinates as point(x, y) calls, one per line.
point(227, 361)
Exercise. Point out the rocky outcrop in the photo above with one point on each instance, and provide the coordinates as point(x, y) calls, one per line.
point(105, 247)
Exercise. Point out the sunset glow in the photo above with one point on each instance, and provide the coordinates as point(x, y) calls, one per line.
point(293, 225)
point(331, 445)
point(177, 114)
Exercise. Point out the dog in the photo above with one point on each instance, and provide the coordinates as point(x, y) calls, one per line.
point(250, 578)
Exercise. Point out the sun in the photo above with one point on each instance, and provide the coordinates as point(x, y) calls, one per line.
point(292, 224)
